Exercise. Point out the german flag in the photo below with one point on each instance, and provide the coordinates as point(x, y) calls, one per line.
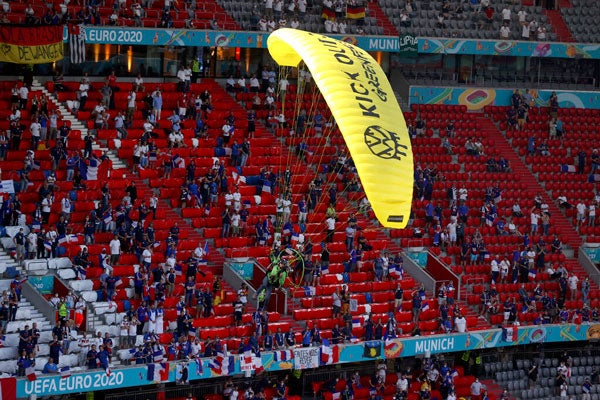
point(355, 12)
point(327, 13)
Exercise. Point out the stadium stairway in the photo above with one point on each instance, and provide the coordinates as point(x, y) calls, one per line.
point(560, 27)
point(76, 124)
point(503, 147)
point(493, 389)
point(382, 19)
point(382, 236)
point(8, 265)
point(568, 233)
point(26, 314)
point(144, 192)
point(472, 311)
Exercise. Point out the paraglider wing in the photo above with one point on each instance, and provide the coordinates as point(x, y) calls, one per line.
point(364, 106)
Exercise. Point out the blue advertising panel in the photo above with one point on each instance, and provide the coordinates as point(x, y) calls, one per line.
point(245, 270)
point(85, 382)
point(193, 37)
point(419, 257)
point(593, 253)
point(206, 368)
point(476, 98)
point(43, 284)
point(509, 48)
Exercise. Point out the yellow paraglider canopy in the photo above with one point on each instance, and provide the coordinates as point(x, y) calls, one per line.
point(363, 104)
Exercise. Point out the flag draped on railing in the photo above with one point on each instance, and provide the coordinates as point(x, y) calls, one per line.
point(77, 44)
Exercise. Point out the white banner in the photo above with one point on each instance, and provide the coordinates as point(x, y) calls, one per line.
point(250, 362)
point(7, 186)
point(306, 357)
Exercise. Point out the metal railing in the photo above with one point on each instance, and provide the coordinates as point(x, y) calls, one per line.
point(589, 265)
point(495, 80)
point(418, 273)
point(279, 299)
point(471, 280)
point(197, 390)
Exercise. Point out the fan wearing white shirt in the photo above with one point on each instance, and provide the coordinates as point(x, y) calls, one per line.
point(460, 323)
point(199, 252)
point(196, 347)
point(235, 223)
point(46, 207)
point(254, 84)
point(283, 84)
point(262, 24)
point(147, 257)
point(504, 31)
point(97, 340)
point(328, 26)
point(237, 200)
point(65, 205)
point(291, 8)
point(84, 346)
point(131, 104)
point(241, 85)
point(522, 15)
point(287, 209)
point(228, 199)
point(188, 77)
point(277, 8)
point(402, 384)
point(541, 33)
point(181, 77)
point(269, 8)
point(335, 26)
point(581, 209)
point(301, 8)
point(506, 14)
point(23, 95)
point(35, 129)
point(148, 127)
point(115, 250)
point(504, 266)
point(592, 215)
point(525, 32)
point(31, 245)
point(330, 222)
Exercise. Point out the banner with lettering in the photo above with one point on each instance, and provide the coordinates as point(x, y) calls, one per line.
point(309, 357)
point(32, 44)
point(7, 186)
point(306, 357)
point(409, 46)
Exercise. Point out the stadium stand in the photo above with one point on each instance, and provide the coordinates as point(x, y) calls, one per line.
point(464, 21)
point(482, 153)
point(475, 177)
point(577, 18)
